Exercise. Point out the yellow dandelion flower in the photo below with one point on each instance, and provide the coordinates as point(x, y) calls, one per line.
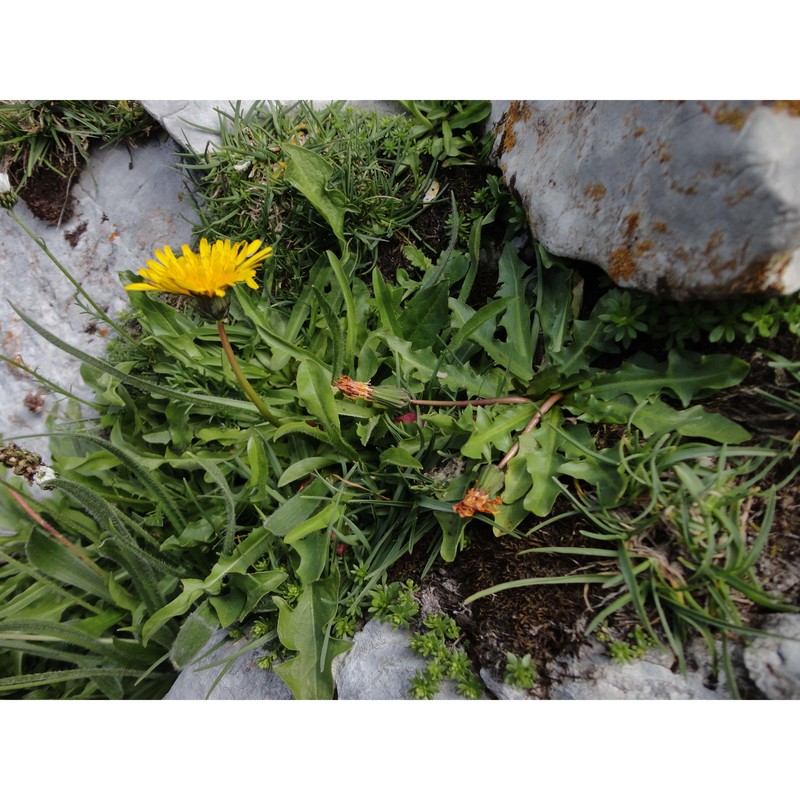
point(207, 273)
point(477, 500)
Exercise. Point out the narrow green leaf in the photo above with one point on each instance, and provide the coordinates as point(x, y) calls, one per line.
point(520, 332)
point(337, 336)
point(259, 466)
point(34, 679)
point(548, 581)
point(305, 466)
point(399, 457)
point(385, 304)
point(322, 520)
point(351, 318)
point(62, 632)
point(316, 394)
point(227, 497)
point(56, 560)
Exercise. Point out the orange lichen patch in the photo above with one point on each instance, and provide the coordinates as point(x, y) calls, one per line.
point(595, 191)
point(517, 110)
point(639, 132)
point(734, 117)
point(661, 227)
point(113, 236)
point(732, 200)
point(631, 223)
point(682, 254)
point(721, 168)
point(643, 247)
point(761, 275)
point(713, 261)
point(714, 241)
point(621, 265)
point(10, 343)
point(683, 189)
point(719, 268)
point(791, 107)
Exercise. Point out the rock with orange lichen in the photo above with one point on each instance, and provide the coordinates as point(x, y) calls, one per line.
point(686, 199)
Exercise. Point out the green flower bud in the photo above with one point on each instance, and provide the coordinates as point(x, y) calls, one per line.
point(8, 198)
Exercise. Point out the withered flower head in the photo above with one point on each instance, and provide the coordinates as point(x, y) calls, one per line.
point(25, 463)
point(477, 500)
point(354, 390)
point(362, 390)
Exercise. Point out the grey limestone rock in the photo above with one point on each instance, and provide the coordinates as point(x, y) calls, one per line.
point(194, 123)
point(379, 666)
point(594, 676)
point(242, 680)
point(502, 691)
point(687, 199)
point(128, 203)
point(774, 663)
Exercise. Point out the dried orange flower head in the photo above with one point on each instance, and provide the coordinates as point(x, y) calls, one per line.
point(476, 500)
point(355, 390)
point(391, 396)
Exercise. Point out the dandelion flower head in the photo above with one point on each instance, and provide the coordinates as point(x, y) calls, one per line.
point(207, 273)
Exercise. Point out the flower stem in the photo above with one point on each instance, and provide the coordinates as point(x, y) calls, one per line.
point(543, 409)
point(55, 534)
point(243, 382)
point(490, 401)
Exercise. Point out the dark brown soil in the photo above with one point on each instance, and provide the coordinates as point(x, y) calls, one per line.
point(431, 226)
point(48, 194)
point(545, 621)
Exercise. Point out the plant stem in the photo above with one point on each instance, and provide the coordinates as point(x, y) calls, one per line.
point(99, 311)
point(490, 401)
point(55, 534)
point(543, 409)
point(243, 382)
